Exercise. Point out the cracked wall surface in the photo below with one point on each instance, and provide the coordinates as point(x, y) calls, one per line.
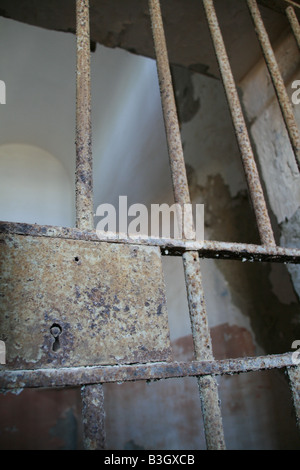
point(273, 149)
point(126, 25)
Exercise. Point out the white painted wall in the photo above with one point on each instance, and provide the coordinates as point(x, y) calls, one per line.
point(34, 186)
point(128, 136)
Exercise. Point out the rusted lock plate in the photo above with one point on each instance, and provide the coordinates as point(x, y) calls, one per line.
point(71, 303)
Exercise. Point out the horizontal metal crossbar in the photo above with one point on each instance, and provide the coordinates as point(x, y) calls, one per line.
point(77, 376)
point(168, 246)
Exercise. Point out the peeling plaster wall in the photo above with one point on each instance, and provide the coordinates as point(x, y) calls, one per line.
point(278, 165)
point(276, 159)
point(127, 26)
point(248, 292)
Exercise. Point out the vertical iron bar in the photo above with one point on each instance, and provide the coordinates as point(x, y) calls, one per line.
point(202, 344)
point(292, 17)
point(93, 417)
point(178, 170)
point(278, 83)
point(254, 184)
point(208, 387)
point(84, 166)
point(92, 395)
point(200, 330)
point(294, 377)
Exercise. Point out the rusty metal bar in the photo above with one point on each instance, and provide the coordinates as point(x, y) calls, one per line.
point(92, 395)
point(208, 387)
point(280, 5)
point(208, 390)
point(93, 417)
point(84, 166)
point(178, 170)
point(169, 246)
point(292, 17)
point(77, 376)
point(294, 378)
point(254, 185)
point(179, 178)
point(278, 83)
point(197, 308)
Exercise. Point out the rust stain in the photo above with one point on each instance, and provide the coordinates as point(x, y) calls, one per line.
point(231, 341)
point(183, 348)
point(228, 341)
point(71, 303)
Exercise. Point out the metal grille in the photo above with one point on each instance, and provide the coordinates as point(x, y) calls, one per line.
point(204, 366)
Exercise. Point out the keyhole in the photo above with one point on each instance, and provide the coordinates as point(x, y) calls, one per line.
point(55, 330)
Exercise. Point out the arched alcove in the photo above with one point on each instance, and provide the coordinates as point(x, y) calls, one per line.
point(34, 186)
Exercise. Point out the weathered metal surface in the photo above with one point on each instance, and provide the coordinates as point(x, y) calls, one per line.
point(93, 417)
point(84, 160)
point(168, 246)
point(201, 336)
point(76, 376)
point(203, 351)
point(251, 172)
point(211, 412)
point(197, 308)
point(72, 303)
point(208, 388)
point(279, 86)
point(294, 377)
point(292, 17)
point(178, 170)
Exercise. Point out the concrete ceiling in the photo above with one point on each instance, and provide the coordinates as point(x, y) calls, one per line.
point(126, 24)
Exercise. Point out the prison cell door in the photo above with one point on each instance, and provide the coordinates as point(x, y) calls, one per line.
point(87, 311)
